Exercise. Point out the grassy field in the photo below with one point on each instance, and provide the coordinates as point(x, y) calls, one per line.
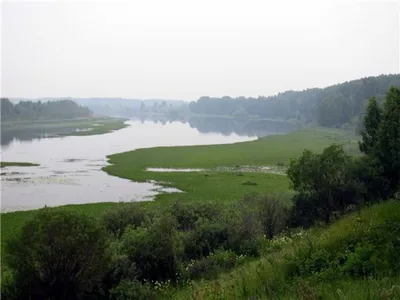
point(17, 164)
point(103, 125)
point(213, 185)
point(275, 151)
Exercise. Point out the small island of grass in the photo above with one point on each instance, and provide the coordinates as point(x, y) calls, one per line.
point(17, 164)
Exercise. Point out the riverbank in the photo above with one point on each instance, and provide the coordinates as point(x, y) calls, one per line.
point(225, 174)
point(223, 185)
point(78, 126)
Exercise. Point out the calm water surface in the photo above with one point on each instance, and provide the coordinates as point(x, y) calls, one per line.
point(70, 167)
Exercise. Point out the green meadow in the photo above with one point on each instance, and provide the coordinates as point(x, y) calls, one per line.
point(231, 182)
point(96, 125)
point(104, 125)
point(205, 186)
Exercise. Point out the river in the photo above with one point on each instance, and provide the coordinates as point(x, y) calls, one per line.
point(70, 167)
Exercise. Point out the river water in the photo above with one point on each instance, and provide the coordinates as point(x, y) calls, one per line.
point(70, 167)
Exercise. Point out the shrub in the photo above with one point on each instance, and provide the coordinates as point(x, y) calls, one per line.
point(117, 219)
point(132, 289)
point(154, 249)
point(58, 254)
point(210, 266)
point(244, 229)
point(274, 212)
point(206, 237)
point(187, 214)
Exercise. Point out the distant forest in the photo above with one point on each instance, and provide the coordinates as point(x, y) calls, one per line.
point(333, 106)
point(29, 110)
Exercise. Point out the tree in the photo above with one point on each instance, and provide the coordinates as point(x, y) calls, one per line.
point(323, 183)
point(58, 255)
point(154, 249)
point(371, 123)
point(388, 147)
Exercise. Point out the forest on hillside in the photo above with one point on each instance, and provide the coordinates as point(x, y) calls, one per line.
point(332, 106)
point(29, 110)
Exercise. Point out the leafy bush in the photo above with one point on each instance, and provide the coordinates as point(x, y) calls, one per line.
point(133, 289)
point(187, 214)
point(58, 254)
point(155, 249)
point(274, 212)
point(325, 185)
point(206, 237)
point(244, 228)
point(117, 219)
point(210, 266)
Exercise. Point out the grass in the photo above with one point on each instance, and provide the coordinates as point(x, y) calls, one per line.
point(17, 164)
point(271, 277)
point(219, 185)
point(104, 125)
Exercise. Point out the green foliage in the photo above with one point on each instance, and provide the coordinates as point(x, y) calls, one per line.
point(323, 183)
point(117, 219)
point(155, 249)
point(366, 246)
point(220, 186)
point(273, 212)
point(62, 109)
point(355, 258)
point(50, 256)
point(132, 289)
point(369, 134)
point(333, 106)
point(388, 149)
point(187, 214)
point(210, 266)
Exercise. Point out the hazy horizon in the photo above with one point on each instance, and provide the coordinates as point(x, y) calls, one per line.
point(176, 50)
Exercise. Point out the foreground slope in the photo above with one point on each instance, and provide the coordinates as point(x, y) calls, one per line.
point(355, 258)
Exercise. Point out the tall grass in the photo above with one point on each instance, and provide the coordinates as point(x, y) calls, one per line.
point(282, 271)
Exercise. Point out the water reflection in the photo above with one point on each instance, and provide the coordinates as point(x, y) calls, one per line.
point(224, 126)
point(30, 134)
point(70, 167)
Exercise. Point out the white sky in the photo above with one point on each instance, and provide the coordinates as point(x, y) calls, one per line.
point(181, 49)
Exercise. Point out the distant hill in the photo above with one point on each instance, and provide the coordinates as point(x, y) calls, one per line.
point(332, 106)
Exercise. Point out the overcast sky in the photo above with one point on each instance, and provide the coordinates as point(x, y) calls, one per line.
point(180, 49)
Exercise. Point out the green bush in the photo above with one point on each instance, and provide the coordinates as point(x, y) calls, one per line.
point(274, 212)
point(155, 249)
point(206, 237)
point(117, 219)
point(210, 266)
point(187, 214)
point(133, 289)
point(58, 254)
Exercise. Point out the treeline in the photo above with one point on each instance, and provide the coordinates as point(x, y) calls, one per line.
point(332, 182)
point(29, 110)
point(332, 106)
point(147, 252)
